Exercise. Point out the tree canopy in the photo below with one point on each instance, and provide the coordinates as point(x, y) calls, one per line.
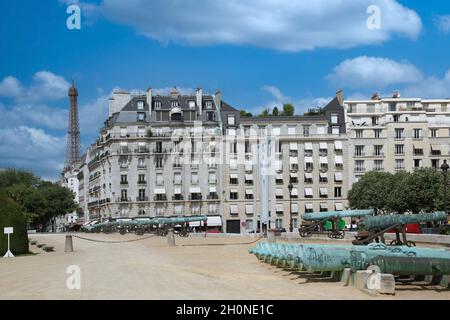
point(39, 200)
point(288, 109)
point(414, 192)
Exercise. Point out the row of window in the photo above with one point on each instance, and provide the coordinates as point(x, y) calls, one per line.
point(400, 133)
point(294, 208)
point(308, 193)
point(378, 165)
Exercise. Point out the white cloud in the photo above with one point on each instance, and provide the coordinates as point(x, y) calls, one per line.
point(10, 87)
point(443, 23)
point(46, 86)
point(431, 87)
point(34, 123)
point(284, 25)
point(377, 72)
point(33, 149)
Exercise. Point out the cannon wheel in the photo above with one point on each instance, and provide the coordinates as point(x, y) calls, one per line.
point(410, 243)
point(305, 234)
point(341, 234)
point(183, 233)
point(396, 243)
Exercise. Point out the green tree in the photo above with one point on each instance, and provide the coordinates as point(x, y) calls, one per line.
point(423, 190)
point(244, 113)
point(11, 216)
point(275, 111)
point(288, 109)
point(371, 192)
point(56, 201)
point(10, 177)
point(265, 112)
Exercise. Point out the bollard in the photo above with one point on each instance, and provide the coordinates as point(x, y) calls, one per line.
point(171, 238)
point(69, 243)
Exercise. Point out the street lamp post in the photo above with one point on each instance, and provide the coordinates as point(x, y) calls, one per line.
point(290, 187)
point(444, 168)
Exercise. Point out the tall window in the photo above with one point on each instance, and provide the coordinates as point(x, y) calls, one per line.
point(142, 194)
point(359, 151)
point(399, 149)
point(378, 150)
point(306, 131)
point(359, 133)
point(399, 164)
point(378, 165)
point(377, 133)
point(399, 133)
point(417, 133)
point(433, 133)
point(337, 192)
point(231, 120)
point(359, 165)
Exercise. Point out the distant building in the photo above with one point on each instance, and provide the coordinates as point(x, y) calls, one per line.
point(173, 154)
point(392, 134)
point(167, 153)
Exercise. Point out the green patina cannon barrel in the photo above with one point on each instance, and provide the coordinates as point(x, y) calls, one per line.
point(336, 259)
point(401, 260)
point(314, 216)
point(383, 222)
point(402, 265)
point(121, 224)
point(178, 220)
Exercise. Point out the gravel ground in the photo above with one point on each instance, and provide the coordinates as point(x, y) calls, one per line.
point(150, 269)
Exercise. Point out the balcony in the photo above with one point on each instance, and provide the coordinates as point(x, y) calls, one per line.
point(142, 182)
point(418, 152)
point(141, 166)
point(178, 197)
point(123, 199)
point(141, 150)
point(211, 196)
point(378, 154)
point(360, 169)
point(160, 197)
point(141, 199)
point(195, 197)
point(123, 182)
point(93, 204)
point(378, 169)
point(159, 150)
point(360, 154)
point(123, 151)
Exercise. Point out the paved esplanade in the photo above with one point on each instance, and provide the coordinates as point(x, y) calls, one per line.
point(150, 269)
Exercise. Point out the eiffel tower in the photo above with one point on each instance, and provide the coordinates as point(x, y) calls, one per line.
point(73, 132)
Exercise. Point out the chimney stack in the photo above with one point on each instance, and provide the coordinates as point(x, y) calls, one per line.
point(340, 97)
point(218, 99)
point(149, 100)
point(199, 99)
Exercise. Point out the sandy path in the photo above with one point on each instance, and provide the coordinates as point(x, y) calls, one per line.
point(149, 269)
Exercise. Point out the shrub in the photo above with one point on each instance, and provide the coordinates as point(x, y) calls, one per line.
point(12, 216)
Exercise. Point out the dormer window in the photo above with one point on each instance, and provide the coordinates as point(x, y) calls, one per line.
point(174, 104)
point(208, 104)
point(140, 105)
point(157, 104)
point(192, 104)
point(141, 116)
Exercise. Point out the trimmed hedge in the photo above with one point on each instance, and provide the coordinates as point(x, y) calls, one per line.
point(11, 216)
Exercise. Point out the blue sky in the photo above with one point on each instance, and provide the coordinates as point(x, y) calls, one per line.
point(259, 53)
